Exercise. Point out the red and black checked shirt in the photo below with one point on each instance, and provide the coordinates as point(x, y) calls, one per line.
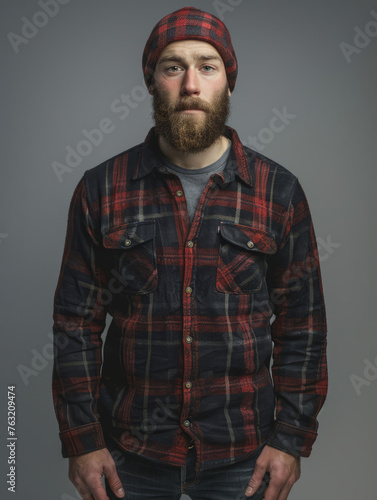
point(194, 312)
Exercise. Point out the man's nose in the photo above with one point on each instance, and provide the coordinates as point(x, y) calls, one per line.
point(190, 83)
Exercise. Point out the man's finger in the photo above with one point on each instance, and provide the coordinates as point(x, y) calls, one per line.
point(275, 487)
point(285, 490)
point(255, 480)
point(94, 484)
point(84, 493)
point(98, 493)
point(272, 492)
point(113, 480)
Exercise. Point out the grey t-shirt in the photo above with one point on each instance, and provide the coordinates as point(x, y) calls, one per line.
point(194, 181)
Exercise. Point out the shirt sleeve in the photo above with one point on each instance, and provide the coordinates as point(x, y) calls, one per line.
point(78, 322)
point(299, 332)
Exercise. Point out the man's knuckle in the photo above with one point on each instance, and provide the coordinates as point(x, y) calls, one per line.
point(291, 482)
point(255, 480)
point(115, 481)
point(280, 476)
point(91, 478)
point(260, 466)
point(74, 478)
point(110, 469)
point(294, 478)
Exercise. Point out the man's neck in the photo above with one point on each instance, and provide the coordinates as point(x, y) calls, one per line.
point(194, 161)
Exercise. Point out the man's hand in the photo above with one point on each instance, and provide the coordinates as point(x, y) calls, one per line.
point(86, 471)
point(284, 470)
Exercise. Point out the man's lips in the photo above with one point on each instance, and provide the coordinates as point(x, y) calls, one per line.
point(190, 110)
point(190, 107)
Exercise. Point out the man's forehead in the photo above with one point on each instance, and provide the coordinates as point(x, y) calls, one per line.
point(191, 48)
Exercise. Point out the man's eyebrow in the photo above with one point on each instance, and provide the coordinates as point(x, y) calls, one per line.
point(181, 60)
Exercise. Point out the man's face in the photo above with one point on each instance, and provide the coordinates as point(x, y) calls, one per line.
point(190, 95)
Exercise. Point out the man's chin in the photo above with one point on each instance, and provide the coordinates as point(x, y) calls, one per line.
point(190, 122)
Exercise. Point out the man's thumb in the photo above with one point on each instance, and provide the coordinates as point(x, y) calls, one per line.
point(255, 481)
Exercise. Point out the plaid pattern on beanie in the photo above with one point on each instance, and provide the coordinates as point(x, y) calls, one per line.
point(190, 23)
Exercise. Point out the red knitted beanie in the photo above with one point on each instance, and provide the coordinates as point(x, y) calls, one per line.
point(190, 23)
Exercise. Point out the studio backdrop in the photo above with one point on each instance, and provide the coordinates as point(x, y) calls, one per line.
point(73, 96)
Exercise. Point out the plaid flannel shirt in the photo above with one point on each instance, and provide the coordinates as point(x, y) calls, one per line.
point(198, 312)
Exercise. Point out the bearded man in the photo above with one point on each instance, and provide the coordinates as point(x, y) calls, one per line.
point(204, 254)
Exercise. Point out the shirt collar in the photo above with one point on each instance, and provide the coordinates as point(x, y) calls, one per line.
point(237, 163)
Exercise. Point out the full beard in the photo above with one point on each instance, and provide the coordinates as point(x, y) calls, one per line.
point(191, 133)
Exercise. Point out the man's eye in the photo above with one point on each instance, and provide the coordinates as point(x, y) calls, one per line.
point(207, 69)
point(173, 69)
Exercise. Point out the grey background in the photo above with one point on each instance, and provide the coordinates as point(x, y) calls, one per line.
point(66, 79)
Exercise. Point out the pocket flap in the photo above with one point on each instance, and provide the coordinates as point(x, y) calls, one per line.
point(129, 235)
point(248, 238)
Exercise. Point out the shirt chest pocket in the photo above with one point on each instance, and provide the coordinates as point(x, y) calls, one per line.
point(132, 253)
point(242, 265)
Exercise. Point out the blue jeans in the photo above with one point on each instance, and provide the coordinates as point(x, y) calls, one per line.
point(141, 478)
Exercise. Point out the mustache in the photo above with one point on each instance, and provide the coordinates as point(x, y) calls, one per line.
point(189, 103)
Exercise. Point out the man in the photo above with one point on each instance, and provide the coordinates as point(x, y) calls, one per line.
point(204, 254)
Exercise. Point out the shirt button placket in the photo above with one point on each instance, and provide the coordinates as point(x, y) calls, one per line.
point(187, 329)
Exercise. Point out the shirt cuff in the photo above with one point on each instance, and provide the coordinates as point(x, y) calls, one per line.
point(293, 440)
point(82, 440)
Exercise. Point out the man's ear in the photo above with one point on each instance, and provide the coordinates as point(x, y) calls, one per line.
point(229, 92)
point(151, 88)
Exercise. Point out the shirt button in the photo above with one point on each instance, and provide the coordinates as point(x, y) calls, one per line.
point(179, 193)
point(190, 244)
point(127, 243)
point(188, 385)
point(188, 290)
point(250, 244)
point(187, 423)
point(163, 169)
point(188, 339)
